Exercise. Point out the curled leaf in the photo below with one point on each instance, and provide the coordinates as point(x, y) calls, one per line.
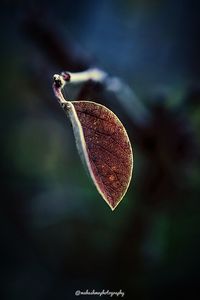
point(104, 147)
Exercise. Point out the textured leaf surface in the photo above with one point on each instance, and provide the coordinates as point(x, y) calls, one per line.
point(108, 148)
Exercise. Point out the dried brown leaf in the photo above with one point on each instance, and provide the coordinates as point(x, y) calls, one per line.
point(104, 147)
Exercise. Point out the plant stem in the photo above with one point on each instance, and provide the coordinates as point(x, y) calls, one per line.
point(134, 108)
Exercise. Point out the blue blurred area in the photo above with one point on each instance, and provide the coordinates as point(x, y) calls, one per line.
point(57, 234)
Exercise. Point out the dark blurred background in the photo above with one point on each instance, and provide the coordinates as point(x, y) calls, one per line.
point(57, 234)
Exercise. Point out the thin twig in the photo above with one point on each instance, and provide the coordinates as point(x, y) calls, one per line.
point(125, 95)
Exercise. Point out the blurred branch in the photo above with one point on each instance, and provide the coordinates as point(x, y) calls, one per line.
point(48, 39)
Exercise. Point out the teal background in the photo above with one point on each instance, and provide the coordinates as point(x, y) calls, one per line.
point(57, 234)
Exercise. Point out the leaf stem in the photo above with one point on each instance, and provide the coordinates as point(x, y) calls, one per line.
point(58, 84)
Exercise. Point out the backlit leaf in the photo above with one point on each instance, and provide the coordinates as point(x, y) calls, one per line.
point(104, 147)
